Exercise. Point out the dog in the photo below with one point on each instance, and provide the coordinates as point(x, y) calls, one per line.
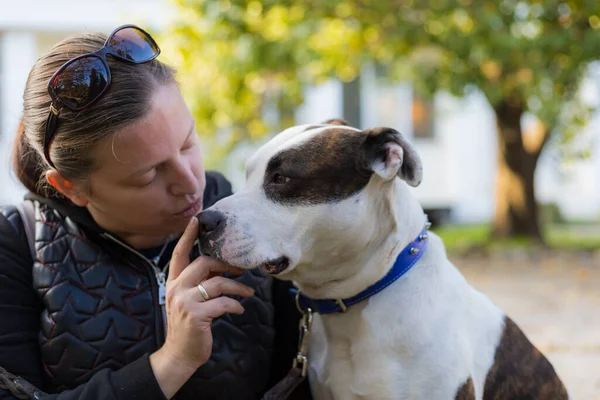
point(330, 208)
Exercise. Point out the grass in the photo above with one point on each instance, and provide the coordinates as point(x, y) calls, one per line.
point(462, 238)
point(575, 237)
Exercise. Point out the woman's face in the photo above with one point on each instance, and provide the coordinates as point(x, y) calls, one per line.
point(151, 176)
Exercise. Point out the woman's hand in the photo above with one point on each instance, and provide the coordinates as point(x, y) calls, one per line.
point(189, 338)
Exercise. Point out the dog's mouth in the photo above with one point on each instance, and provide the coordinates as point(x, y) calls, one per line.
point(275, 266)
point(272, 267)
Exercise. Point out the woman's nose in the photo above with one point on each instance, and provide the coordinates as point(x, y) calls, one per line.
point(184, 181)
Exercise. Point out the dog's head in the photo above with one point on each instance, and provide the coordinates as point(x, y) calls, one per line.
point(312, 193)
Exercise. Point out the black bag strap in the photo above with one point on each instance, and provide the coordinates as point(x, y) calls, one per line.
point(27, 211)
point(284, 389)
point(18, 386)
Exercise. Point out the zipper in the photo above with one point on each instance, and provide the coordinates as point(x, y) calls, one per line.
point(159, 275)
point(161, 280)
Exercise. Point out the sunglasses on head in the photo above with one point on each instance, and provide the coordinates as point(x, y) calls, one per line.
point(81, 81)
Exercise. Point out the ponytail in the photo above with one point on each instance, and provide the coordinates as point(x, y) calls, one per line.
point(29, 166)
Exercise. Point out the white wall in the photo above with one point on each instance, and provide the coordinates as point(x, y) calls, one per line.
point(76, 15)
point(575, 187)
point(468, 129)
point(321, 103)
point(17, 54)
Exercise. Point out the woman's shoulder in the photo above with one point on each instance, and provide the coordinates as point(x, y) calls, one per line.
point(14, 248)
point(11, 224)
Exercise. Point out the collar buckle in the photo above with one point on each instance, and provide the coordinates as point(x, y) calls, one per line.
point(341, 304)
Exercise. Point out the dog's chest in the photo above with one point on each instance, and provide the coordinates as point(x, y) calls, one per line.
point(378, 350)
point(348, 361)
point(359, 365)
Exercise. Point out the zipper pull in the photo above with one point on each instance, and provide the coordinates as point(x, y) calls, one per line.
point(161, 279)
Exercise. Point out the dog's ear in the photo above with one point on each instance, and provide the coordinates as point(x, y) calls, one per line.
point(388, 154)
point(336, 121)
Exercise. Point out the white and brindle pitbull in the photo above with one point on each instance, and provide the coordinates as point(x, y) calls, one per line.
point(329, 207)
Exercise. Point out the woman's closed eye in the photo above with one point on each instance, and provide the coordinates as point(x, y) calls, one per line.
point(147, 179)
point(191, 142)
point(188, 145)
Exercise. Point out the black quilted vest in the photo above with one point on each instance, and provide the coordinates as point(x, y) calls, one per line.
point(100, 310)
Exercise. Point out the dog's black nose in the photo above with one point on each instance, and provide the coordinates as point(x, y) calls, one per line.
point(210, 221)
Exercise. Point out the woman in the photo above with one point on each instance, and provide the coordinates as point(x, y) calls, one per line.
point(99, 309)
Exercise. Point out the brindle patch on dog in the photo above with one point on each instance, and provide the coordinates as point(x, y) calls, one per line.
point(520, 371)
point(331, 166)
point(466, 391)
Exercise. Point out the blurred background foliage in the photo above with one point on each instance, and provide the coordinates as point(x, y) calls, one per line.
point(244, 64)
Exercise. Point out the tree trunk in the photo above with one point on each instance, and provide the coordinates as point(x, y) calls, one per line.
point(516, 207)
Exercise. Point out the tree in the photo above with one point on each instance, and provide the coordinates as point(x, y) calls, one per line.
point(526, 57)
point(240, 58)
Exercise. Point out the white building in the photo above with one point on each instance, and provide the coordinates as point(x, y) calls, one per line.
point(458, 146)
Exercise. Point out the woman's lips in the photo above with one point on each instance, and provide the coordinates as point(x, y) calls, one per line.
point(192, 209)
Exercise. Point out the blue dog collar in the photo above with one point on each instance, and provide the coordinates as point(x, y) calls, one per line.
point(404, 262)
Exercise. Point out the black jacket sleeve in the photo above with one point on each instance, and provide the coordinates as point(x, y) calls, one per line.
point(20, 310)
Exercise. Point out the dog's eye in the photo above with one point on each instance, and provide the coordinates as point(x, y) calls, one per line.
point(279, 179)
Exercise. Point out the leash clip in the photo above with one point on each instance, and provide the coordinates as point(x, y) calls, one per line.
point(301, 360)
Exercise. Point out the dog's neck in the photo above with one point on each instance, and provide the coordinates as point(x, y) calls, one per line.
point(394, 221)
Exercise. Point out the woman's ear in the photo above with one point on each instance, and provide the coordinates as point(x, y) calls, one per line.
point(66, 188)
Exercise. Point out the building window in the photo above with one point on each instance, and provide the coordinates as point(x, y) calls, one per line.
point(422, 117)
point(387, 103)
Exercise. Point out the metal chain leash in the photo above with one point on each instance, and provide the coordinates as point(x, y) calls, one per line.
point(19, 387)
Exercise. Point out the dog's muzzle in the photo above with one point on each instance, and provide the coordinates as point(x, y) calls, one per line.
point(211, 233)
point(211, 227)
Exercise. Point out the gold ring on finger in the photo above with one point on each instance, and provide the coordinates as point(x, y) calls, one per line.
point(203, 292)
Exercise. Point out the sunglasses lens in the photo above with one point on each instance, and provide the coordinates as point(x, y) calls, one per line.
point(80, 82)
point(133, 44)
